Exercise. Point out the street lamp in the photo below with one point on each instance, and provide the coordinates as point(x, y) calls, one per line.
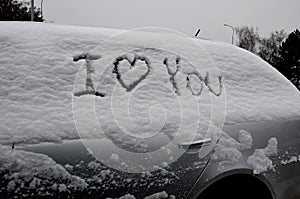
point(232, 40)
point(32, 10)
point(42, 8)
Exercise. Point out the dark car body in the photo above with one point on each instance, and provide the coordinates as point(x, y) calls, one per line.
point(281, 182)
point(194, 177)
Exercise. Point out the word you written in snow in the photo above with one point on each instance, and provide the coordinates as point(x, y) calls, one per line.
point(90, 89)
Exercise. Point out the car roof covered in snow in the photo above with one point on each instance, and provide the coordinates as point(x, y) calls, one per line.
point(38, 75)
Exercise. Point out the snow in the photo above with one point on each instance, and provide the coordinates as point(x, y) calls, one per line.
point(110, 179)
point(127, 196)
point(227, 156)
point(291, 160)
point(158, 195)
point(62, 188)
point(260, 161)
point(38, 73)
point(37, 79)
point(245, 140)
point(228, 150)
point(69, 167)
point(226, 141)
point(26, 167)
point(229, 153)
point(11, 186)
point(165, 164)
point(255, 91)
point(271, 148)
point(115, 157)
point(151, 108)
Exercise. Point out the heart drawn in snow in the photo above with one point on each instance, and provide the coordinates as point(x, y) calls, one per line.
point(139, 71)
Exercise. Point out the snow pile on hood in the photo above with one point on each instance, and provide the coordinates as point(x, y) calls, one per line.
point(39, 171)
point(38, 74)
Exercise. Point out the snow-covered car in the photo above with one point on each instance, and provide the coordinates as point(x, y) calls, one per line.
point(104, 113)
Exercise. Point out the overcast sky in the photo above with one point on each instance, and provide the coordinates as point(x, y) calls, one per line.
point(181, 15)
